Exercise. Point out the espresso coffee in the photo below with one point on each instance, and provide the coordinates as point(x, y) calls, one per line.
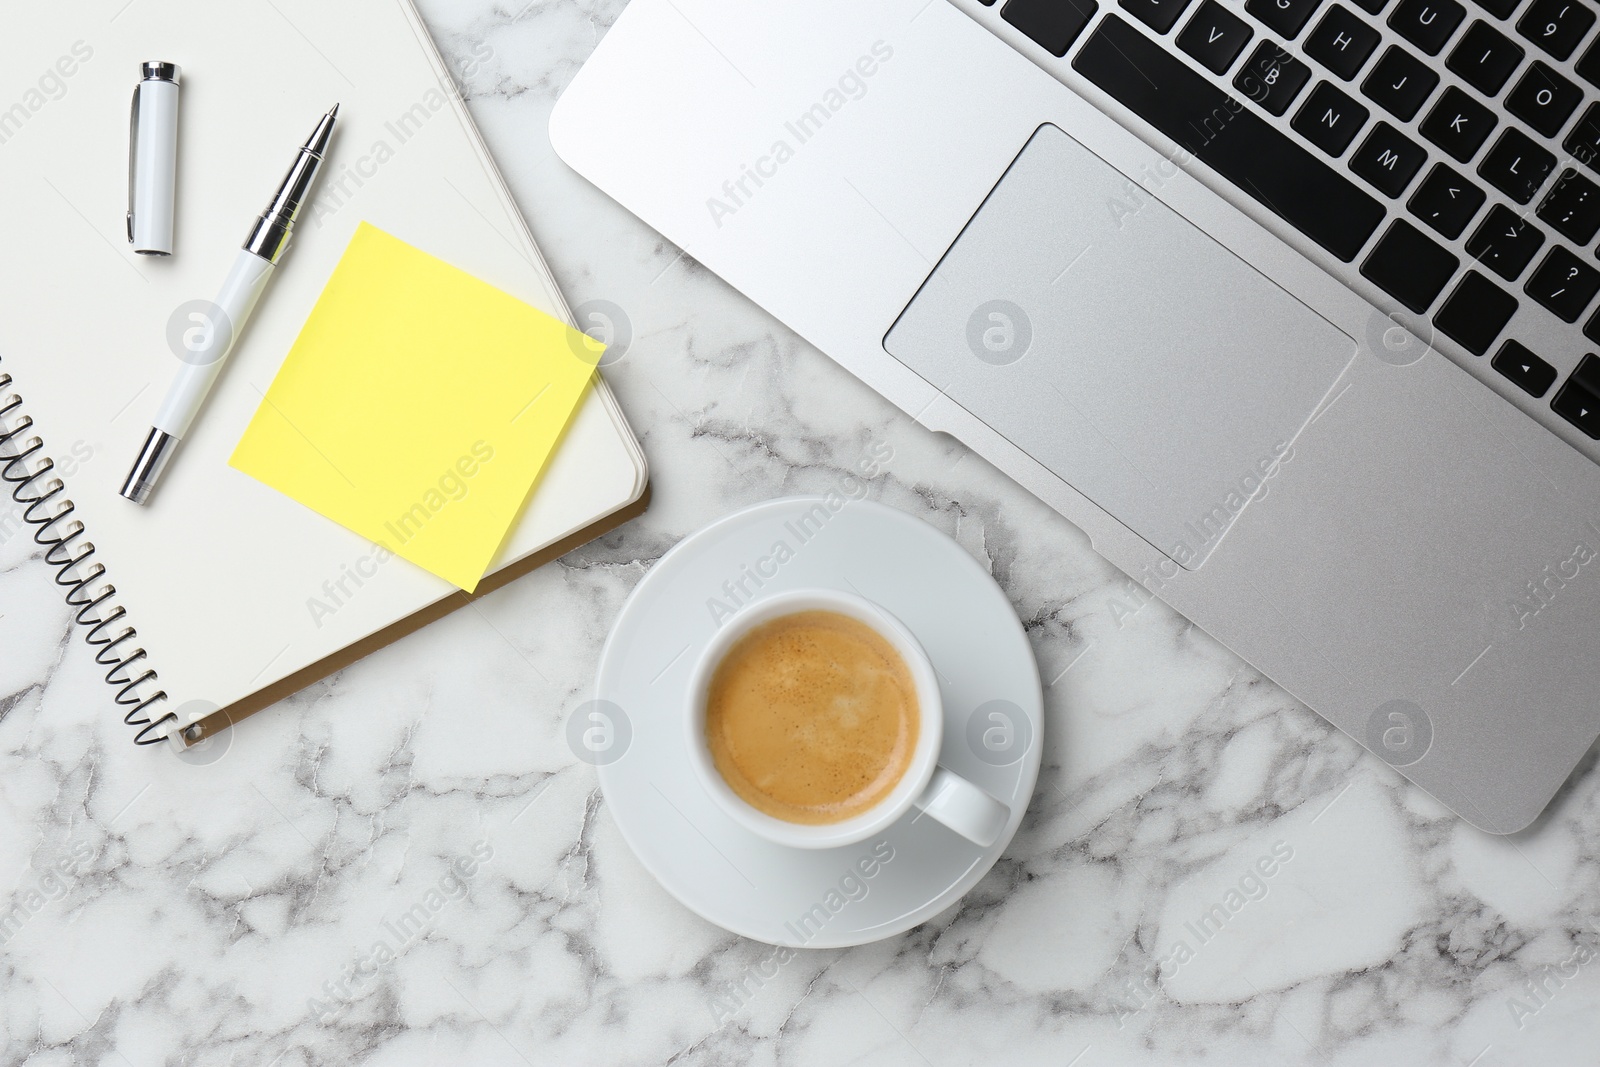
point(812, 718)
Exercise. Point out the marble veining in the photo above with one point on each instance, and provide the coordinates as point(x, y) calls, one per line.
point(406, 864)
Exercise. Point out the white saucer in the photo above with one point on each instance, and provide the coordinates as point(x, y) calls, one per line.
point(988, 679)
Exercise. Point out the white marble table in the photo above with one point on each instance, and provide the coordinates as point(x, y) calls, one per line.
point(213, 912)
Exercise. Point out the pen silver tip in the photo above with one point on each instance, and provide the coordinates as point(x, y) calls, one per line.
point(317, 143)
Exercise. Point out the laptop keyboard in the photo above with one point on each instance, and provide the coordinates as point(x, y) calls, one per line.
point(1457, 195)
point(1305, 190)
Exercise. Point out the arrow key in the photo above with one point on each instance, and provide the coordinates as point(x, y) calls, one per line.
point(1446, 201)
point(1524, 368)
point(1576, 402)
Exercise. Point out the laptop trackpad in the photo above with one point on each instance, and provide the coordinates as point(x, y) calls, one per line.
point(1110, 339)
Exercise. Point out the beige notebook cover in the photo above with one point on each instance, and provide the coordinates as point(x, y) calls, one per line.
point(220, 575)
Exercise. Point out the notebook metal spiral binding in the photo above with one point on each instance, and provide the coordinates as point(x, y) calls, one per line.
point(62, 537)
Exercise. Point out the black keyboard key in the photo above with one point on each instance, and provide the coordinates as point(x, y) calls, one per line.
point(1475, 313)
point(1583, 143)
point(1543, 99)
point(1579, 407)
point(1587, 373)
point(1458, 124)
point(1372, 7)
point(1399, 83)
point(1177, 100)
point(1427, 24)
point(1446, 201)
point(1272, 78)
point(1588, 67)
point(1159, 15)
point(1409, 266)
point(1556, 25)
point(1504, 242)
point(1388, 159)
point(1524, 368)
point(1341, 42)
point(1579, 400)
point(1286, 18)
point(1485, 58)
point(1329, 119)
point(1516, 165)
point(1572, 207)
point(1051, 24)
point(1214, 37)
point(1591, 329)
point(1500, 9)
point(1564, 284)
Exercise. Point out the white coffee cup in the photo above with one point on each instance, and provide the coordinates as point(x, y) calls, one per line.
point(937, 791)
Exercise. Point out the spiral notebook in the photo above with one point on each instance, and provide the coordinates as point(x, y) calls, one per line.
point(200, 607)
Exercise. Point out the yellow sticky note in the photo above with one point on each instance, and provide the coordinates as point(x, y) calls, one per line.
point(418, 406)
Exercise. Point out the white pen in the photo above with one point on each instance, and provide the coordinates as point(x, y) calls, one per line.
point(214, 339)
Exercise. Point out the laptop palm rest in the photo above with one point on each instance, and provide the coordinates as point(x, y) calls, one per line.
point(1103, 334)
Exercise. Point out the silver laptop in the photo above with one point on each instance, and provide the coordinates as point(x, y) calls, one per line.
point(1286, 303)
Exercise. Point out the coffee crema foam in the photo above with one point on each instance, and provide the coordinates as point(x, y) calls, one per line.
point(812, 718)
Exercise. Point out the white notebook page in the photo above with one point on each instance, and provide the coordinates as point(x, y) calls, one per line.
point(220, 574)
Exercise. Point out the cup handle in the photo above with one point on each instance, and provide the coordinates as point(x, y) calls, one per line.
point(963, 807)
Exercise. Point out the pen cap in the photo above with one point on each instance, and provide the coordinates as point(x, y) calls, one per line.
point(153, 160)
